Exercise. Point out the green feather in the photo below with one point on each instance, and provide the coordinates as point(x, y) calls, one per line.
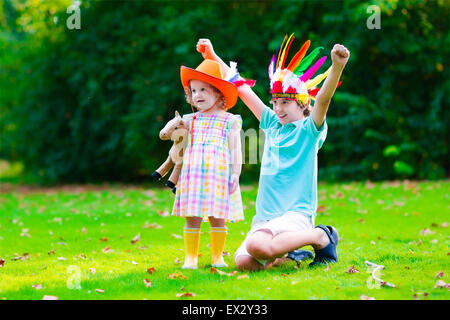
point(307, 61)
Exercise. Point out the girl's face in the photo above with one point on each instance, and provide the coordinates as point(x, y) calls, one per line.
point(287, 110)
point(203, 94)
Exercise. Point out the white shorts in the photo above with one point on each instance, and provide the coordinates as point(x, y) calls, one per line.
point(290, 221)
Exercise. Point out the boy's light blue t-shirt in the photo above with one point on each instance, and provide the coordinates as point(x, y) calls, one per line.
point(288, 177)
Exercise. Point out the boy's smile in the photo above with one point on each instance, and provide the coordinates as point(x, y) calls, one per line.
point(287, 110)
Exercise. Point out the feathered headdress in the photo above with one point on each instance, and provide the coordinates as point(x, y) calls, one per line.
point(293, 82)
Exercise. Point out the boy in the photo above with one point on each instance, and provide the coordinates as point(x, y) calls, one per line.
point(287, 193)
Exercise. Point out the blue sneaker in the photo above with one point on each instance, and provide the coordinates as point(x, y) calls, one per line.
point(300, 255)
point(327, 254)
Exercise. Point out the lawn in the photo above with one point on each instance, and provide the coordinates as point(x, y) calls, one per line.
point(120, 242)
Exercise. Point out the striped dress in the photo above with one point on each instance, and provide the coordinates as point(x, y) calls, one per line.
point(204, 182)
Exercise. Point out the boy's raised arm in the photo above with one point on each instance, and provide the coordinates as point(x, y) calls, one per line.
point(339, 56)
point(251, 100)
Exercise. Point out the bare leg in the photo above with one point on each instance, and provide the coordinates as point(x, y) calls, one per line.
point(193, 222)
point(262, 245)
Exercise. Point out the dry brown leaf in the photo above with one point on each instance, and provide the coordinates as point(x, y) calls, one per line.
point(106, 249)
point(136, 238)
point(363, 297)
point(185, 294)
point(426, 231)
point(441, 284)
point(352, 269)
point(37, 286)
point(440, 274)
point(152, 226)
point(49, 298)
point(104, 239)
point(242, 276)
point(151, 270)
point(51, 252)
point(2, 262)
point(148, 283)
point(163, 213)
point(177, 275)
point(99, 290)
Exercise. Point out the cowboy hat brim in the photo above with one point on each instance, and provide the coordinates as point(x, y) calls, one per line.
point(227, 88)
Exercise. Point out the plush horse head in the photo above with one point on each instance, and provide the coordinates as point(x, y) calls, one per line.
point(174, 129)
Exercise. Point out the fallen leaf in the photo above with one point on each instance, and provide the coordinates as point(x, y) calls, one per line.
point(242, 276)
point(176, 236)
point(83, 230)
point(37, 286)
point(352, 269)
point(177, 275)
point(99, 290)
point(177, 261)
point(151, 270)
point(61, 258)
point(363, 297)
point(106, 249)
point(134, 262)
point(444, 225)
point(151, 226)
point(164, 213)
point(92, 270)
point(49, 298)
point(441, 284)
point(2, 262)
point(51, 252)
point(148, 283)
point(426, 232)
point(136, 238)
point(440, 274)
point(104, 239)
point(185, 294)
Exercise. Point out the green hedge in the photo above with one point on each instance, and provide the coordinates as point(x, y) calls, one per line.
point(87, 105)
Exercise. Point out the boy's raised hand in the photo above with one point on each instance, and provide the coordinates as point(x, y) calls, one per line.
point(204, 46)
point(340, 55)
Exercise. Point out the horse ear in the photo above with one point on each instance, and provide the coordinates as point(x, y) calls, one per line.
point(177, 114)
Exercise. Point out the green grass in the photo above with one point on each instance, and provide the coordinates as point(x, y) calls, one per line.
point(383, 223)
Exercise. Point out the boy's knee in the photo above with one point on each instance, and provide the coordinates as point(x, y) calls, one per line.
point(259, 250)
point(247, 263)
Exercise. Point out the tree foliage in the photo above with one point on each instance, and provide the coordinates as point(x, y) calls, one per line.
point(87, 105)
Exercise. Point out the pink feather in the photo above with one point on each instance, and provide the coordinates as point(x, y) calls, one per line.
point(310, 72)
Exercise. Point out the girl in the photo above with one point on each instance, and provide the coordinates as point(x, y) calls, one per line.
point(208, 187)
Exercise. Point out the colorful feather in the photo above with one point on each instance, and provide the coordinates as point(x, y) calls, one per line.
point(271, 70)
point(314, 82)
point(308, 74)
point(307, 61)
point(286, 50)
point(280, 49)
point(298, 56)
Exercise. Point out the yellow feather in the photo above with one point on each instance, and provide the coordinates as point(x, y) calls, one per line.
point(313, 82)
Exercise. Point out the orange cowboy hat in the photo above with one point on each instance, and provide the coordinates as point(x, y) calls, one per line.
point(210, 72)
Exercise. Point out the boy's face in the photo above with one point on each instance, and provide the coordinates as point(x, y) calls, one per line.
point(287, 110)
point(203, 94)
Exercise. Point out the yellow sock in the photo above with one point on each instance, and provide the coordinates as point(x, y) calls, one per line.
point(218, 237)
point(191, 244)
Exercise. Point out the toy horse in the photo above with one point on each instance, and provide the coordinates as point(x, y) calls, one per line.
point(177, 131)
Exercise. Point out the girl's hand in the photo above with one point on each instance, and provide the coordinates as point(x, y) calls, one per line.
point(204, 46)
point(340, 55)
point(234, 182)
